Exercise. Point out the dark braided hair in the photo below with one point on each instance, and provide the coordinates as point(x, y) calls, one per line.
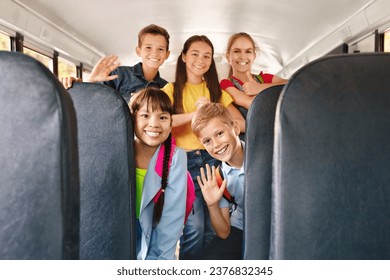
point(157, 100)
point(158, 207)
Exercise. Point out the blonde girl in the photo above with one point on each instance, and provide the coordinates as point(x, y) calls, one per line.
point(241, 84)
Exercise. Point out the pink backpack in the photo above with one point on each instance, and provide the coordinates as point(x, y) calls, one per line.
point(190, 184)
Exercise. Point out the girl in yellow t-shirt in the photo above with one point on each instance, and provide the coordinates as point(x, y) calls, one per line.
point(196, 83)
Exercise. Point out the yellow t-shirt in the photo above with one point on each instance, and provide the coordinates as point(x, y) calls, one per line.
point(191, 93)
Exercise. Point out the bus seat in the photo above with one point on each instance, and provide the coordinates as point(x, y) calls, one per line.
point(258, 173)
point(39, 181)
point(107, 173)
point(331, 193)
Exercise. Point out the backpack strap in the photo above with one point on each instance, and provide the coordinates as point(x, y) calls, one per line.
point(226, 193)
point(236, 83)
point(160, 157)
point(259, 79)
point(159, 165)
point(190, 198)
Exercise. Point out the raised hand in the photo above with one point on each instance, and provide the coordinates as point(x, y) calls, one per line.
point(201, 101)
point(251, 87)
point(101, 71)
point(207, 181)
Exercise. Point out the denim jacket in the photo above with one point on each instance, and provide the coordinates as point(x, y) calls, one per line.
point(131, 79)
point(160, 242)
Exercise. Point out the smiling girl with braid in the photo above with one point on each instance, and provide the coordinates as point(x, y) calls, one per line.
point(161, 176)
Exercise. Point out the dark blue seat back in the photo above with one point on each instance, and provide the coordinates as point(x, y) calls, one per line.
point(107, 173)
point(39, 182)
point(331, 195)
point(258, 173)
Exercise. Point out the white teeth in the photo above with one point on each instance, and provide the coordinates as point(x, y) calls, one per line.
point(243, 63)
point(153, 59)
point(220, 152)
point(152, 134)
point(198, 67)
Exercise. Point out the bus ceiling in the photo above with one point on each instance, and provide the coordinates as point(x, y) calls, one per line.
point(289, 33)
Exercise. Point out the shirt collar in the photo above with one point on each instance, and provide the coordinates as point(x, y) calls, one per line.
point(138, 72)
point(229, 168)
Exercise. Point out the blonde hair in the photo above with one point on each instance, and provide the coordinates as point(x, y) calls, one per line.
point(236, 36)
point(208, 112)
point(231, 41)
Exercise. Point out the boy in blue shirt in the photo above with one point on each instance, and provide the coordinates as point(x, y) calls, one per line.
point(153, 48)
point(219, 134)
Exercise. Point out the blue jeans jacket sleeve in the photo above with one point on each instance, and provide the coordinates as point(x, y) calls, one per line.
point(164, 237)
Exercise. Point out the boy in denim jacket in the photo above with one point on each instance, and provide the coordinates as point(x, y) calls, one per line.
point(153, 48)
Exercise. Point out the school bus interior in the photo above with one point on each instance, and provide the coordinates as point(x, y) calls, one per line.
point(317, 148)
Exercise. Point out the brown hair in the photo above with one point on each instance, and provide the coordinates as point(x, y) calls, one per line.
point(155, 30)
point(210, 77)
point(156, 99)
point(208, 112)
point(231, 41)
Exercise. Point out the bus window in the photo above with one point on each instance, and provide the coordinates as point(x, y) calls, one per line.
point(66, 68)
point(386, 47)
point(5, 42)
point(86, 74)
point(45, 60)
point(366, 44)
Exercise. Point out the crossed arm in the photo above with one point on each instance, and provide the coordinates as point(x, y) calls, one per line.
point(251, 88)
